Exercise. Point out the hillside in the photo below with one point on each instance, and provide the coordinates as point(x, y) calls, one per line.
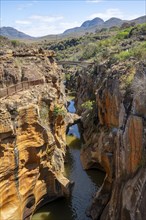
point(97, 24)
point(90, 26)
point(115, 44)
point(12, 33)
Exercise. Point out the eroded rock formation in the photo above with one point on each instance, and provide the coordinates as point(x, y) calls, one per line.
point(114, 131)
point(32, 135)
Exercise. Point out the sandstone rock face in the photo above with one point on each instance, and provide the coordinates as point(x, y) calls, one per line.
point(114, 131)
point(32, 137)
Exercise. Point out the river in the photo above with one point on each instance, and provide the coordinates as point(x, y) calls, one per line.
point(86, 184)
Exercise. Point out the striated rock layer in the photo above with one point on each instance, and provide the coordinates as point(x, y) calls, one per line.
point(112, 102)
point(32, 135)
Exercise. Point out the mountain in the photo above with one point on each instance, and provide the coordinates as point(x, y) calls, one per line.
point(91, 23)
point(98, 23)
point(139, 20)
point(112, 22)
point(12, 33)
point(87, 26)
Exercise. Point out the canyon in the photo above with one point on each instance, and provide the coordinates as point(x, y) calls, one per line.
point(111, 102)
point(114, 132)
point(32, 134)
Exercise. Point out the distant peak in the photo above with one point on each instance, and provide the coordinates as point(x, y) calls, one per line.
point(93, 22)
point(13, 33)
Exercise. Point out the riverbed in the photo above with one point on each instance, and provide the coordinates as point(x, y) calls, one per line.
point(85, 187)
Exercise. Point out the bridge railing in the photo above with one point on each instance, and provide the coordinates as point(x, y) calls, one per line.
point(11, 90)
point(65, 62)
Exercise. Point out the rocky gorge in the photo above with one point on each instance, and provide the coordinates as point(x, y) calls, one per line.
point(110, 99)
point(32, 134)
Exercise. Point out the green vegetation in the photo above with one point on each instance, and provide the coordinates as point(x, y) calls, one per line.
point(58, 111)
point(114, 44)
point(127, 78)
point(67, 76)
point(89, 51)
point(124, 34)
point(88, 105)
point(138, 51)
point(15, 43)
point(123, 55)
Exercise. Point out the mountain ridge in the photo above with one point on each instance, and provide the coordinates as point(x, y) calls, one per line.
point(105, 24)
point(13, 33)
point(87, 26)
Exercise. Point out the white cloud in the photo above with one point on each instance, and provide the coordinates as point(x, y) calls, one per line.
point(22, 22)
point(109, 13)
point(46, 18)
point(131, 17)
point(113, 12)
point(38, 25)
point(67, 25)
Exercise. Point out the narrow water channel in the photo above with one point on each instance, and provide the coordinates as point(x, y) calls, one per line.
point(86, 184)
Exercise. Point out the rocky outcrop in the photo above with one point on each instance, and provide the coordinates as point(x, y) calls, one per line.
point(32, 136)
point(114, 131)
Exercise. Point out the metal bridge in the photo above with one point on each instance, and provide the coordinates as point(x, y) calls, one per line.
point(75, 63)
point(11, 90)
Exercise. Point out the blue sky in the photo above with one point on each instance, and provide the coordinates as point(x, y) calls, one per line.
point(43, 17)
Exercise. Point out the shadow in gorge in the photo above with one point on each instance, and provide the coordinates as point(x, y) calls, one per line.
point(57, 210)
point(96, 176)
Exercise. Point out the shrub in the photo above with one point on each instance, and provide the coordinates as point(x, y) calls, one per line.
point(89, 51)
point(128, 78)
point(67, 76)
point(58, 111)
point(138, 30)
point(15, 43)
point(123, 55)
point(123, 34)
point(88, 105)
point(139, 51)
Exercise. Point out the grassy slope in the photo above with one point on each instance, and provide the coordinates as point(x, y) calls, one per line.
point(115, 43)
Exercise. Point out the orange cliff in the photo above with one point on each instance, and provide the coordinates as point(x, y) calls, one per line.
point(32, 134)
point(114, 132)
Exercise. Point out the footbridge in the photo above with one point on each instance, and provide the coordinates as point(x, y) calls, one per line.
point(75, 63)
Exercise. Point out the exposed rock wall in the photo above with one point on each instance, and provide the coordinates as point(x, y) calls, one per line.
point(114, 131)
point(32, 136)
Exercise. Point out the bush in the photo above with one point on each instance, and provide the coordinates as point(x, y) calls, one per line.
point(88, 105)
point(67, 76)
point(15, 43)
point(58, 111)
point(138, 30)
point(139, 51)
point(89, 51)
point(123, 55)
point(123, 34)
